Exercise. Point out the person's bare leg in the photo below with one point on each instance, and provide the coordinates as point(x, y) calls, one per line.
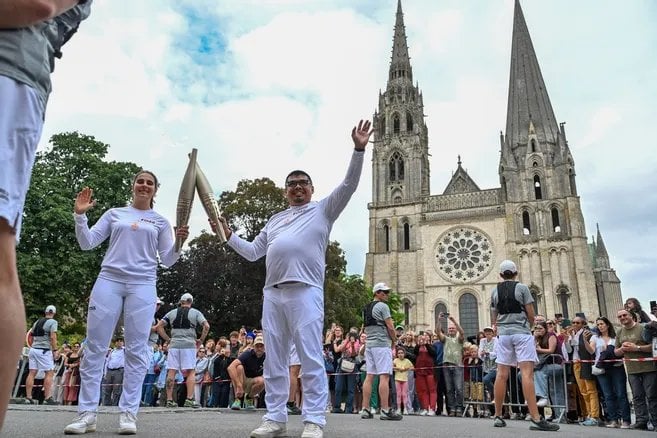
point(47, 385)
point(29, 383)
point(294, 382)
point(13, 321)
point(170, 383)
point(384, 391)
point(190, 383)
point(500, 387)
point(527, 372)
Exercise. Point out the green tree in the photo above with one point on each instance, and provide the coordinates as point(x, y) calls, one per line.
point(52, 268)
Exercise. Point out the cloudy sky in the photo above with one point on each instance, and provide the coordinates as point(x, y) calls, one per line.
point(261, 87)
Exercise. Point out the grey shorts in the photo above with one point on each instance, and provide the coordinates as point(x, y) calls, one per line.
point(21, 121)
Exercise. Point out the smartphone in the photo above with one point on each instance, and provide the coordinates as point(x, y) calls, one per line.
point(558, 315)
point(653, 304)
point(580, 315)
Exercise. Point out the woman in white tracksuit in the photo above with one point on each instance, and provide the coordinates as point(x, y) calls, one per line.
point(137, 236)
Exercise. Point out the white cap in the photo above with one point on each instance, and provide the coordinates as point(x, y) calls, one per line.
point(508, 266)
point(159, 301)
point(51, 309)
point(187, 298)
point(380, 287)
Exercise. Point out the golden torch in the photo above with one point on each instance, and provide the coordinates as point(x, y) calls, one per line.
point(209, 202)
point(186, 196)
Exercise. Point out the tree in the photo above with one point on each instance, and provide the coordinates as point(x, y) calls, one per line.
point(52, 268)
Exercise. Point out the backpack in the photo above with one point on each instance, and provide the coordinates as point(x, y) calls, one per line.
point(368, 317)
point(506, 298)
point(38, 327)
point(182, 319)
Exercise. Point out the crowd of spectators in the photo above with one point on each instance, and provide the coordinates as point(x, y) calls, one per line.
point(580, 377)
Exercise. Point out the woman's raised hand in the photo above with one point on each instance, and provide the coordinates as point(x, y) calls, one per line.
point(84, 201)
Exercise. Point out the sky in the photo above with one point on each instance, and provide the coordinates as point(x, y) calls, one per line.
point(261, 87)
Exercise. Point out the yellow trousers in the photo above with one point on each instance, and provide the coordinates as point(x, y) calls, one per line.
point(589, 392)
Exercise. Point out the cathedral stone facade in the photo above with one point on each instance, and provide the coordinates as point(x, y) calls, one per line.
point(441, 252)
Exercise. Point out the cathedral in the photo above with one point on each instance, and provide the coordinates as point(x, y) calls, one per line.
point(441, 252)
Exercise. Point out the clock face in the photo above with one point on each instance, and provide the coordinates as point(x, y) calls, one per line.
point(463, 255)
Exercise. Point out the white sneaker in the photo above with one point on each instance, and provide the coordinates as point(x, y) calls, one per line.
point(127, 423)
point(270, 429)
point(312, 430)
point(542, 402)
point(404, 412)
point(423, 412)
point(83, 423)
point(431, 413)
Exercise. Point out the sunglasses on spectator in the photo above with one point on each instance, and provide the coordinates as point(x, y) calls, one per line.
point(549, 323)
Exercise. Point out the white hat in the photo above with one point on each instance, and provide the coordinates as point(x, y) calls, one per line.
point(380, 287)
point(508, 266)
point(159, 301)
point(51, 309)
point(187, 297)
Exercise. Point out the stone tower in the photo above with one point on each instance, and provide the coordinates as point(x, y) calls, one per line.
point(545, 225)
point(607, 284)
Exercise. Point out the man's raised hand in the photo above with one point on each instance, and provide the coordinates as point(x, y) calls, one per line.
point(361, 134)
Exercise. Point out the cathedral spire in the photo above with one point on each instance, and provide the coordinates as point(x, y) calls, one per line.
point(600, 249)
point(400, 63)
point(528, 98)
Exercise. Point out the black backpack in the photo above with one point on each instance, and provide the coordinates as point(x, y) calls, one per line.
point(506, 298)
point(182, 319)
point(38, 327)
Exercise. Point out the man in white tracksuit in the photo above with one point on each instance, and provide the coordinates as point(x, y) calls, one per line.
point(295, 242)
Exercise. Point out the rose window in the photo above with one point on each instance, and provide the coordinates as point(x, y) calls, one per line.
point(464, 255)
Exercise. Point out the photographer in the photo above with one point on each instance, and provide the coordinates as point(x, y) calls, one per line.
point(453, 364)
point(346, 372)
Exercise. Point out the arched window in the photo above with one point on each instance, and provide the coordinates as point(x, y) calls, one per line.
point(386, 234)
point(407, 236)
point(556, 226)
point(503, 184)
point(407, 313)
point(526, 226)
point(396, 167)
point(395, 124)
point(537, 187)
point(533, 147)
point(442, 323)
point(468, 314)
point(382, 121)
point(409, 122)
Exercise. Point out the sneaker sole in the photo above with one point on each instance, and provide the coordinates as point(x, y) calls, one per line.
point(89, 429)
point(533, 427)
point(280, 433)
point(127, 431)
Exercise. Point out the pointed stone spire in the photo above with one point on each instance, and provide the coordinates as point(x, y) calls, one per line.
point(601, 255)
point(400, 63)
point(529, 102)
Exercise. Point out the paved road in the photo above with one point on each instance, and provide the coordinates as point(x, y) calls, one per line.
point(40, 421)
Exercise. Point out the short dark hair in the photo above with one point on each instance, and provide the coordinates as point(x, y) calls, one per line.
point(508, 275)
point(298, 172)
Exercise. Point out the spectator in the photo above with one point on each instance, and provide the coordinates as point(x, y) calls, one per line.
point(221, 379)
point(425, 384)
point(246, 375)
point(580, 335)
point(487, 354)
point(641, 375)
point(408, 343)
point(548, 373)
point(72, 376)
point(160, 383)
point(613, 379)
point(453, 364)
point(401, 366)
point(148, 391)
point(113, 379)
point(473, 387)
point(332, 339)
point(633, 305)
point(295, 393)
point(199, 373)
point(60, 368)
point(235, 345)
point(347, 372)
